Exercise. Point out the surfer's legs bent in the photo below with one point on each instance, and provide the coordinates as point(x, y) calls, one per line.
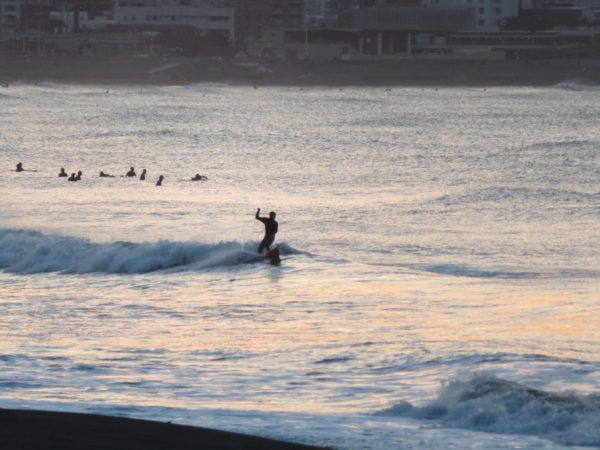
point(266, 243)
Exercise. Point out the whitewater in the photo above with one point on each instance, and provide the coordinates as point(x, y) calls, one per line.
point(440, 282)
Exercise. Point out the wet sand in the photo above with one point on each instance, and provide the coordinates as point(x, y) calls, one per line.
point(396, 72)
point(42, 430)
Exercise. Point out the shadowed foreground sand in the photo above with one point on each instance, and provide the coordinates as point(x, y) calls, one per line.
point(41, 430)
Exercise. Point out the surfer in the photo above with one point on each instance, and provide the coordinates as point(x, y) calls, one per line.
point(106, 175)
point(78, 177)
point(73, 177)
point(143, 175)
point(131, 173)
point(20, 168)
point(63, 173)
point(199, 177)
point(160, 180)
point(271, 228)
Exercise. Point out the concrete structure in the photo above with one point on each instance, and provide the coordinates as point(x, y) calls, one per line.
point(418, 19)
point(202, 15)
point(10, 15)
point(489, 13)
point(255, 17)
point(316, 12)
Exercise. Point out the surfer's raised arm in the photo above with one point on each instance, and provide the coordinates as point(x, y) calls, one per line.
point(271, 228)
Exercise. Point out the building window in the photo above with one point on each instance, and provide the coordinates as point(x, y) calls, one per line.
point(481, 22)
point(498, 10)
point(481, 10)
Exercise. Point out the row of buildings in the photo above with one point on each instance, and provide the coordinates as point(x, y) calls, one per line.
point(378, 26)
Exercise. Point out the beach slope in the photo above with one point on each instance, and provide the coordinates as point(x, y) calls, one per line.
point(43, 430)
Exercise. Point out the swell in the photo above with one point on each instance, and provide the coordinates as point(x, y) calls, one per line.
point(30, 252)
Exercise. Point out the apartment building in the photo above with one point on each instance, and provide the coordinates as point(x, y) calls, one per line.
point(254, 17)
point(488, 13)
point(204, 15)
point(10, 15)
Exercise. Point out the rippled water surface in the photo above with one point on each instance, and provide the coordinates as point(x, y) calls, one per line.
point(440, 283)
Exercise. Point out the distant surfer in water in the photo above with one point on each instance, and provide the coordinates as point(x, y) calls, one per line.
point(160, 180)
point(106, 175)
point(271, 228)
point(20, 168)
point(143, 175)
point(131, 173)
point(73, 177)
point(63, 173)
point(78, 177)
point(199, 177)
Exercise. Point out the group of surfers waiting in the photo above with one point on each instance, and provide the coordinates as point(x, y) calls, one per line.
point(271, 225)
point(130, 174)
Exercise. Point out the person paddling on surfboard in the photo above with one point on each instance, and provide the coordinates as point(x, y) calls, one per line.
point(271, 228)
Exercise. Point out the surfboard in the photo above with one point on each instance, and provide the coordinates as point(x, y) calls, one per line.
point(274, 256)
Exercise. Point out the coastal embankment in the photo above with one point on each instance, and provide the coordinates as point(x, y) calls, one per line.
point(387, 72)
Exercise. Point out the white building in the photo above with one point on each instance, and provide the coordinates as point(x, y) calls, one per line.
point(10, 14)
point(204, 15)
point(489, 13)
point(85, 22)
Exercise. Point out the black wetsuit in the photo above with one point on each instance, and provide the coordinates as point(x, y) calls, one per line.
point(271, 228)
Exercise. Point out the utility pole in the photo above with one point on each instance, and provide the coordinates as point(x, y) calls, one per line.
point(305, 2)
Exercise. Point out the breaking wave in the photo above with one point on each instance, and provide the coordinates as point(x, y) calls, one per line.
point(29, 252)
point(486, 403)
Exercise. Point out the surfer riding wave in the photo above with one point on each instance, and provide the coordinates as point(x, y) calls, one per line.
point(271, 228)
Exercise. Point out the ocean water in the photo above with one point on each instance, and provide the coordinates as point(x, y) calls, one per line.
point(440, 282)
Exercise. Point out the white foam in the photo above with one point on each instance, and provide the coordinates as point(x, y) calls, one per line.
point(483, 402)
point(28, 252)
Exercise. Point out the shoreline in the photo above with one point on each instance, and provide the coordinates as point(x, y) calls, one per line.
point(49, 430)
point(385, 73)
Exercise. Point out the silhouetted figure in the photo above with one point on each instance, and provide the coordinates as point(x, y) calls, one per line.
point(106, 175)
point(143, 175)
point(63, 173)
point(271, 228)
point(78, 177)
point(20, 168)
point(131, 173)
point(73, 177)
point(199, 177)
point(160, 180)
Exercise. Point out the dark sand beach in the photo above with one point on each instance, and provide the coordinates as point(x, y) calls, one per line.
point(42, 430)
point(385, 72)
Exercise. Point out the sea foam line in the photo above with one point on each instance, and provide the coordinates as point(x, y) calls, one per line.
point(483, 402)
point(29, 252)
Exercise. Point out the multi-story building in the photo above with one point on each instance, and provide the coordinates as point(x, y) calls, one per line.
point(10, 14)
point(317, 12)
point(204, 15)
point(254, 17)
point(488, 13)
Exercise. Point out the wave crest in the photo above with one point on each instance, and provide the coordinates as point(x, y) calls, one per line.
point(29, 252)
point(486, 403)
